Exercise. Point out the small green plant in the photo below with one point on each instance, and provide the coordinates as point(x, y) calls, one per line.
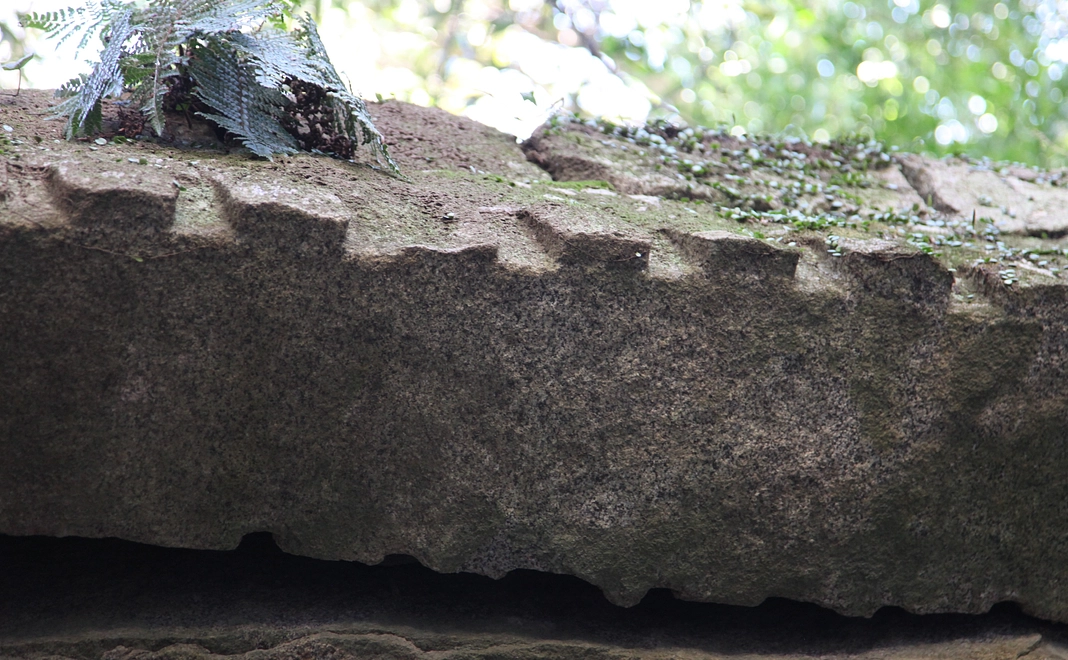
point(16, 65)
point(231, 61)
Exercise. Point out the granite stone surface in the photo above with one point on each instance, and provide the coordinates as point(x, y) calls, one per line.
point(627, 374)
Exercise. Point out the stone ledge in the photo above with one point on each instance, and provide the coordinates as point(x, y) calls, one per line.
point(477, 368)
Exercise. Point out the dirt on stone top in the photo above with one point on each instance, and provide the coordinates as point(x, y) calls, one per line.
point(592, 190)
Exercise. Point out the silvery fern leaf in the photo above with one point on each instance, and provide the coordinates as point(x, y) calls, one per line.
point(176, 22)
point(65, 23)
point(244, 107)
point(278, 55)
point(191, 16)
point(232, 56)
point(82, 107)
point(350, 112)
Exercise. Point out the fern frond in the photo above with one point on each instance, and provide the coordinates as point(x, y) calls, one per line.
point(250, 111)
point(177, 22)
point(82, 108)
point(278, 55)
point(233, 55)
point(217, 17)
point(309, 34)
point(50, 21)
point(71, 87)
point(136, 69)
point(148, 95)
point(65, 23)
point(350, 111)
point(169, 21)
point(354, 119)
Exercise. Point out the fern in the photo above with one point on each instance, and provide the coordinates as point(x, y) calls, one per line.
point(272, 49)
point(350, 112)
point(246, 108)
point(65, 23)
point(83, 107)
point(177, 22)
point(252, 77)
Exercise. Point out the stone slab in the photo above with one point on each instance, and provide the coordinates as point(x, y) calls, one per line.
point(1017, 201)
point(469, 367)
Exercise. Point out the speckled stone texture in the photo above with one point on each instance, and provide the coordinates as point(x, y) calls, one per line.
point(488, 371)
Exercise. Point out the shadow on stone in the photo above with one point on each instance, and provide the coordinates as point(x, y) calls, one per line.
point(79, 597)
point(258, 543)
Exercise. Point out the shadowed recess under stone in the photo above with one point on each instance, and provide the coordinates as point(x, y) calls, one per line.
point(89, 598)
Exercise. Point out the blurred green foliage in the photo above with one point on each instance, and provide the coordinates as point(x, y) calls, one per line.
point(984, 78)
point(973, 76)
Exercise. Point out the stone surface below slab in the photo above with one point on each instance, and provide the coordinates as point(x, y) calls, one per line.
point(397, 645)
point(852, 394)
point(114, 600)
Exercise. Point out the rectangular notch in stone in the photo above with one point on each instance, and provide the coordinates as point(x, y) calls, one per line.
point(888, 270)
point(283, 216)
point(130, 198)
point(612, 250)
point(724, 255)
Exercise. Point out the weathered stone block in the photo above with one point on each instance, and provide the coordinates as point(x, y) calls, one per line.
point(1017, 200)
point(297, 219)
point(573, 247)
point(452, 367)
point(123, 196)
point(734, 256)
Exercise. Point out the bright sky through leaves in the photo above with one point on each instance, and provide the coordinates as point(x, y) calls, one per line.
point(983, 77)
